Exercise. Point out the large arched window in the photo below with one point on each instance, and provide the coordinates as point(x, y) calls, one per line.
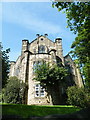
point(41, 49)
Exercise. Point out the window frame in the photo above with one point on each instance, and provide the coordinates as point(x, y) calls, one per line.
point(41, 49)
point(35, 64)
point(38, 91)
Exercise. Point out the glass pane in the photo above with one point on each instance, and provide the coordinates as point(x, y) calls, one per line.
point(37, 94)
point(41, 49)
point(37, 85)
point(37, 89)
point(42, 94)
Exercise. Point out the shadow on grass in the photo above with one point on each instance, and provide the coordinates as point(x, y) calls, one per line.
point(80, 115)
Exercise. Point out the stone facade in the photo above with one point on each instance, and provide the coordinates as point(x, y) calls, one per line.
point(40, 49)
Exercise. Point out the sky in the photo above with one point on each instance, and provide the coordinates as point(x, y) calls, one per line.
point(23, 20)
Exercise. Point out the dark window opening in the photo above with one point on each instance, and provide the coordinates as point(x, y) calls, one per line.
point(41, 49)
point(41, 38)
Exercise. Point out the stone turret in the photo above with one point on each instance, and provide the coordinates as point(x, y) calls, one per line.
point(12, 68)
point(25, 44)
point(59, 50)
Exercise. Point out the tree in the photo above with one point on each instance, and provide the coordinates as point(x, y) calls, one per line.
point(49, 75)
point(78, 96)
point(14, 91)
point(51, 78)
point(81, 50)
point(78, 19)
point(77, 13)
point(5, 65)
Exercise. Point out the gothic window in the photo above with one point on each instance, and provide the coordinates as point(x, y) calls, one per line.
point(34, 50)
point(17, 71)
point(41, 49)
point(39, 91)
point(35, 65)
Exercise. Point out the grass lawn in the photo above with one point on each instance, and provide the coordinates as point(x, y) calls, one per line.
point(33, 110)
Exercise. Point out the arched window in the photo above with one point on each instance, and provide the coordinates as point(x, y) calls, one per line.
point(36, 64)
point(17, 71)
point(34, 50)
point(41, 49)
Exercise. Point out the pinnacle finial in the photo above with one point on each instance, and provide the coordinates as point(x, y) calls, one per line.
point(37, 35)
point(46, 34)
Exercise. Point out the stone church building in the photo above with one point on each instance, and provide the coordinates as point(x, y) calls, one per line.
point(34, 52)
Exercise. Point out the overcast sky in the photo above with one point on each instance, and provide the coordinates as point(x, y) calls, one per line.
point(21, 20)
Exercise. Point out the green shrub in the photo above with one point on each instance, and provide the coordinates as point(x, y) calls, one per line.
point(78, 96)
point(14, 91)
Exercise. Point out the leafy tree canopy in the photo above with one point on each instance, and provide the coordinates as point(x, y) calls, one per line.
point(77, 13)
point(78, 19)
point(50, 75)
point(78, 96)
point(14, 91)
point(5, 64)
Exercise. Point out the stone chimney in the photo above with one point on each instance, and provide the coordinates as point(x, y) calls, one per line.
point(25, 43)
point(58, 45)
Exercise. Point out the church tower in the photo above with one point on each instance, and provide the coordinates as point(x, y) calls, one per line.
point(40, 49)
